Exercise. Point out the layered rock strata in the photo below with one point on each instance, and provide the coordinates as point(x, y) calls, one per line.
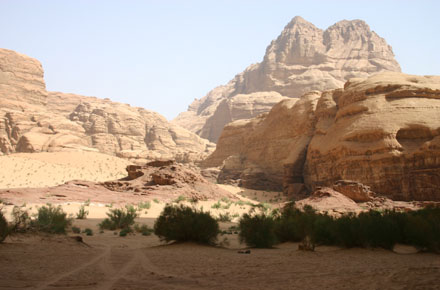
point(303, 58)
point(34, 120)
point(383, 131)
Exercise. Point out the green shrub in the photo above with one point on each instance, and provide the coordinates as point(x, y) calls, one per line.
point(258, 230)
point(422, 229)
point(21, 220)
point(82, 213)
point(224, 217)
point(145, 230)
point(119, 219)
point(88, 232)
point(76, 230)
point(124, 232)
point(144, 205)
point(419, 228)
point(183, 223)
point(216, 205)
point(293, 225)
point(180, 198)
point(4, 227)
point(51, 220)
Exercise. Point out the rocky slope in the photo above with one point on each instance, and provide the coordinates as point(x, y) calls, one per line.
point(303, 58)
point(382, 131)
point(34, 120)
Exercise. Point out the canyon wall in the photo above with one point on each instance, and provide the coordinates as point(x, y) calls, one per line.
point(34, 120)
point(382, 131)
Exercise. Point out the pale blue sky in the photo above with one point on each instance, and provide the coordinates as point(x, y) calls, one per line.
point(162, 54)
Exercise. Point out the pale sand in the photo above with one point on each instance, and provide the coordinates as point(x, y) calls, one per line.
point(138, 262)
point(108, 261)
point(54, 168)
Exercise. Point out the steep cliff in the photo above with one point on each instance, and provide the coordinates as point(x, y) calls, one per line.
point(34, 120)
point(382, 131)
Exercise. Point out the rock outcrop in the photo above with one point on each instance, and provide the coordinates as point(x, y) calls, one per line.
point(167, 179)
point(303, 58)
point(34, 120)
point(383, 131)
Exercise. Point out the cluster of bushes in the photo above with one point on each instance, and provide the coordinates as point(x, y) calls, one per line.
point(48, 219)
point(419, 228)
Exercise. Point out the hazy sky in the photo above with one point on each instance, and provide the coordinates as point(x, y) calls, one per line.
point(162, 54)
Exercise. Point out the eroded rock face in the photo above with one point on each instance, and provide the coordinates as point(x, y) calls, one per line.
point(383, 132)
point(34, 120)
point(303, 58)
point(257, 148)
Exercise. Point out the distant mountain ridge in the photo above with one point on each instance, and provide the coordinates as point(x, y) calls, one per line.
point(303, 58)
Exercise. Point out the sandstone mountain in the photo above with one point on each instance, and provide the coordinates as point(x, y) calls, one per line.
point(303, 58)
point(34, 120)
point(382, 131)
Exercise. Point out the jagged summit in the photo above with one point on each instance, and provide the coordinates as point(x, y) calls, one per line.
point(301, 59)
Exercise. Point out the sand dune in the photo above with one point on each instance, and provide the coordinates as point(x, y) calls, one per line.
point(54, 168)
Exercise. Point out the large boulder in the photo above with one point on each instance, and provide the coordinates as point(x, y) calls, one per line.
point(303, 58)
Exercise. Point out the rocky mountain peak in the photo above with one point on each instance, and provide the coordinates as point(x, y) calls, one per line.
point(301, 59)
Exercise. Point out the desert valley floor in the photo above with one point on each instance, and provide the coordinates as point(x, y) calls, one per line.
point(106, 261)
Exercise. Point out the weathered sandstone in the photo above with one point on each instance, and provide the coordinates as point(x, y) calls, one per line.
point(384, 134)
point(382, 131)
point(34, 120)
point(303, 58)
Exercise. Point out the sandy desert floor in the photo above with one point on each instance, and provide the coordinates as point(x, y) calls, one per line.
point(53, 168)
point(108, 261)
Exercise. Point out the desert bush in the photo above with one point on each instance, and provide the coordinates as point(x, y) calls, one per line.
point(216, 205)
point(224, 217)
point(145, 230)
point(144, 205)
point(180, 198)
point(419, 228)
point(82, 213)
point(258, 230)
point(183, 223)
point(51, 219)
point(293, 225)
point(4, 227)
point(76, 230)
point(422, 229)
point(125, 232)
point(21, 220)
point(119, 219)
point(88, 232)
